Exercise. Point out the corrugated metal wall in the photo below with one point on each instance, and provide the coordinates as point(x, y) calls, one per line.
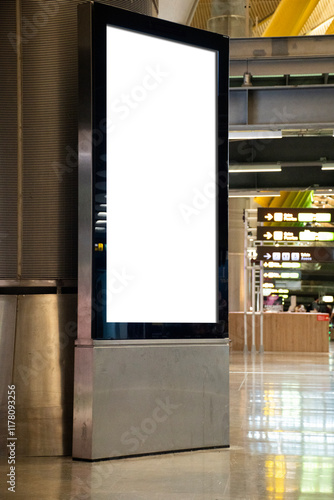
point(141, 6)
point(49, 104)
point(8, 143)
point(38, 196)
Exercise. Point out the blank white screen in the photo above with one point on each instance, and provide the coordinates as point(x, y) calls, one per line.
point(161, 172)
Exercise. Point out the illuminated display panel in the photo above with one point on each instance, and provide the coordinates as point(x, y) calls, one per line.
point(160, 175)
point(161, 104)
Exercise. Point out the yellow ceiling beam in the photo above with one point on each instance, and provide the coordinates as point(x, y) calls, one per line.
point(330, 29)
point(289, 17)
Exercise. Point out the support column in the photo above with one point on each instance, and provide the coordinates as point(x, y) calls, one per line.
point(290, 17)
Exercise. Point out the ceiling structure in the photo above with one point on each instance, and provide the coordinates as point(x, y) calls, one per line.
point(282, 81)
point(318, 19)
point(282, 112)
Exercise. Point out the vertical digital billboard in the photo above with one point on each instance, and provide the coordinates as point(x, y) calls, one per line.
point(161, 104)
point(159, 177)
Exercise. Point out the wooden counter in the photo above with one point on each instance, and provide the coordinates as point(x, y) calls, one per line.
point(291, 332)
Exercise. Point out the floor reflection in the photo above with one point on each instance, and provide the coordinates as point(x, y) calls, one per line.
point(282, 446)
point(285, 408)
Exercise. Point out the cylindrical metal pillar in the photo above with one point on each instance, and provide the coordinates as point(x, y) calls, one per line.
point(253, 350)
point(229, 18)
point(261, 350)
point(245, 282)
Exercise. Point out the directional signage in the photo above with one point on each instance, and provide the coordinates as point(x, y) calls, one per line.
point(268, 291)
point(281, 265)
point(295, 215)
point(285, 275)
point(295, 234)
point(295, 254)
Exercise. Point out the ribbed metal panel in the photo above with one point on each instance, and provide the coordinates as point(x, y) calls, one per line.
point(49, 28)
point(8, 141)
point(49, 139)
point(140, 6)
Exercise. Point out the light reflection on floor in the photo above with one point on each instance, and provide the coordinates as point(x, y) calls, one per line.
point(288, 425)
point(282, 446)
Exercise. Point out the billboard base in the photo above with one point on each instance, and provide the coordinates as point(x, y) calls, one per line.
point(143, 397)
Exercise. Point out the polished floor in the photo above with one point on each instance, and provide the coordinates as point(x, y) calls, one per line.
point(282, 446)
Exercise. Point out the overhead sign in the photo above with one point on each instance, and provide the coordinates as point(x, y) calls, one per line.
point(295, 234)
point(281, 265)
point(295, 254)
point(280, 291)
point(295, 215)
point(285, 275)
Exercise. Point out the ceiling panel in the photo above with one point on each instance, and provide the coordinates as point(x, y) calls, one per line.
point(261, 12)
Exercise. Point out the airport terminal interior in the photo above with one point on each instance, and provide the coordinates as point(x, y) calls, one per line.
point(258, 398)
point(281, 435)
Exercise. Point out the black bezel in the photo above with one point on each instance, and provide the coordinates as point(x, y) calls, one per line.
point(103, 15)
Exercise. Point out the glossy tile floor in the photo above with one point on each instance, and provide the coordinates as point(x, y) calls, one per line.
point(282, 446)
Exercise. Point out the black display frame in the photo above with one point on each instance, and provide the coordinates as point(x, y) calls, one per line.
point(102, 16)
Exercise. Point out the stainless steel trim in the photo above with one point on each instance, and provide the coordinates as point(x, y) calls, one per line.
point(8, 305)
point(158, 342)
point(85, 239)
point(43, 373)
point(37, 283)
point(130, 401)
point(83, 402)
point(83, 343)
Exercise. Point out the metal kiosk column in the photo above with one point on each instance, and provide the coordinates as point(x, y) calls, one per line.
point(152, 356)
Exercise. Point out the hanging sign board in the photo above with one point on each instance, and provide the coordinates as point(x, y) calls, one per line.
point(295, 234)
point(286, 274)
point(295, 215)
point(295, 254)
